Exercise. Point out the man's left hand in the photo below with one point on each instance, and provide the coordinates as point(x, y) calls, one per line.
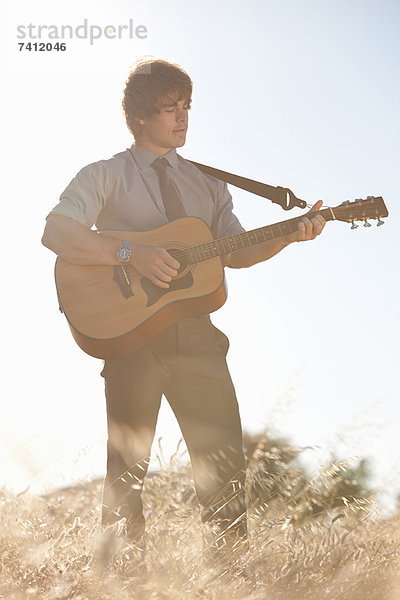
point(308, 228)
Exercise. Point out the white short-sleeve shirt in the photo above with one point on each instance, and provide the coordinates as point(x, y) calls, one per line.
point(123, 193)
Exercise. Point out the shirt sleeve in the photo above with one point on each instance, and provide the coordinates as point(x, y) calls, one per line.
point(85, 196)
point(225, 222)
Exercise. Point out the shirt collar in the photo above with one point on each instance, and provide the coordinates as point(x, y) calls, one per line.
point(145, 157)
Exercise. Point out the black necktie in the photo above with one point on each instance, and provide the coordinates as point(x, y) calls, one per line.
point(173, 204)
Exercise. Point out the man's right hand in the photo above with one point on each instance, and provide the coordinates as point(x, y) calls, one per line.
point(76, 243)
point(155, 263)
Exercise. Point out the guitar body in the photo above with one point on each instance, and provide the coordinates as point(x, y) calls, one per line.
point(114, 311)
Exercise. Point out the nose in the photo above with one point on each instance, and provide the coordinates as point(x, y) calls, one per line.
point(181, 115)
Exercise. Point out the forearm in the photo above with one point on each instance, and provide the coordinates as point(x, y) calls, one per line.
point(309, 227)
point(250, 256)
point(75, 243)
point(78, 244)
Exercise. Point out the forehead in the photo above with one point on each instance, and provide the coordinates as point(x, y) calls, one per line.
point(172, 99)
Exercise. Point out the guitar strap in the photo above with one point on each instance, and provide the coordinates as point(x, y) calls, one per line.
point(279, 195)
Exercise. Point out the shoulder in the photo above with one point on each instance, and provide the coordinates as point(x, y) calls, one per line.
point(107, 168)
point(103, 176)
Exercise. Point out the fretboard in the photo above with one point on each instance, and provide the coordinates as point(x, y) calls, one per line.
point(246, 239)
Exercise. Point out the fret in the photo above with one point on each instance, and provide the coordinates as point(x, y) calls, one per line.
point(241, 241)
point(268, 235)
point(222, 243)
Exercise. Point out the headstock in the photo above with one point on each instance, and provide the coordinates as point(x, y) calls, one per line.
point(360, 210)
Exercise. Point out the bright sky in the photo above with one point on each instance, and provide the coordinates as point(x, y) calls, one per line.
point(303, 94)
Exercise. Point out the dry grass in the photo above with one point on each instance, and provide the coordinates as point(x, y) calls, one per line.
point(53, 548)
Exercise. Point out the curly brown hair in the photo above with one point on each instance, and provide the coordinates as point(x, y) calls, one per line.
point(151, 82)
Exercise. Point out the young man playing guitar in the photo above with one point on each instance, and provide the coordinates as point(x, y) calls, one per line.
point(187, 361)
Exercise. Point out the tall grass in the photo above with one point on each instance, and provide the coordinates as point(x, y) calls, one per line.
point(53, 547)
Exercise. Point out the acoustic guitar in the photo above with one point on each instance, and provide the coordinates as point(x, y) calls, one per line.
point(114, 310)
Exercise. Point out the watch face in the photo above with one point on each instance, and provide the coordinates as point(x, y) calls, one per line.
point(124, 252)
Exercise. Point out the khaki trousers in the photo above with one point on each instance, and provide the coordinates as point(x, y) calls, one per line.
point(186, 363)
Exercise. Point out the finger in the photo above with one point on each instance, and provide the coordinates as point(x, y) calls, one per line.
point(163, 262)
point(301, 231)
point(320, 219)
point(308, 228)
point(170, 261)
point(159, 282)
point(163, 268)
point(318, 225)
point(168, 270)
point(316, 206)
point(160, 274)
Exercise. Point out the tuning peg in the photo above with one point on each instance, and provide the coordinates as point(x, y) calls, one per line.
point(370, 197)
point(346, 202)
point(380, 222)
point(366, 224)
point(353, 225)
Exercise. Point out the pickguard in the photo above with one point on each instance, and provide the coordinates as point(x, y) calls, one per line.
point(154, 293)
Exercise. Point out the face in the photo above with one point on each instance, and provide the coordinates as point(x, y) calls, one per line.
point(166, 129)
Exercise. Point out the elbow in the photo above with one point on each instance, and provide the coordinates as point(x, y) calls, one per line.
point(233, 261)
point(48, 239)
point(239, 262)
point(45, 240)
point(241, 266)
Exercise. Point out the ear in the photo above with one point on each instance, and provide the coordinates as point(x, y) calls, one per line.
point(139, 120)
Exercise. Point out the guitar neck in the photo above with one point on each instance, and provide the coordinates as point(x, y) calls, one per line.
point(247, 238)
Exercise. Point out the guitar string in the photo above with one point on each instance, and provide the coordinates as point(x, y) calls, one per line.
point(217, 247)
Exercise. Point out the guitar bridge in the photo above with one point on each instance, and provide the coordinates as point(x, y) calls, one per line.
point(121, 278)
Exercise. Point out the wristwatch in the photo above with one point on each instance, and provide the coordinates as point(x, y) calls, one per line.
point(124, 252)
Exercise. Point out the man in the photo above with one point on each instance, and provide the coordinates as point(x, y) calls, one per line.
point(136, 191)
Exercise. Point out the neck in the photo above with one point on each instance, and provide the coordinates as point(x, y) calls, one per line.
point(247, 238)
point(156, 149)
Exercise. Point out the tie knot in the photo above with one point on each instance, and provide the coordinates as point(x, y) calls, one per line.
point(160, 164)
